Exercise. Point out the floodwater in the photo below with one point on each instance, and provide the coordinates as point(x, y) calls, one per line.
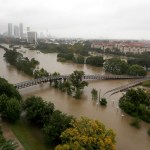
point(128, 137)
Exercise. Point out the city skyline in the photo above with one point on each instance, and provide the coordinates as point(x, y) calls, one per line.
point(113, 19)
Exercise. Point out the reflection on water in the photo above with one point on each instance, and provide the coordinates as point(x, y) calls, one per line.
point(128, 138)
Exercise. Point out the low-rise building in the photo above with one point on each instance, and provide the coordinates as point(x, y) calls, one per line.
point(124, 47)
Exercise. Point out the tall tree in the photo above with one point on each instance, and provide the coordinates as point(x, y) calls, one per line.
point(86, 134)
point(77, 83)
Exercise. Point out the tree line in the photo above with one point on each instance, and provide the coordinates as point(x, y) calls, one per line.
point(118, 66)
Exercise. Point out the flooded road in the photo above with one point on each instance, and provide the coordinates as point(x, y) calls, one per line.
point(128, 138)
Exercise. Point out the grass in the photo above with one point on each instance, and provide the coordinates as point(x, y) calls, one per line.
point(30, 137)
point(146, 83)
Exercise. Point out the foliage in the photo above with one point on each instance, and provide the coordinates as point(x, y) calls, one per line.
point(136, 103)
point(103, 101)
point(86, 134)
point(94, 94)
point(21, 63)
point(95, 61)
point(77, 83)
point(116, 66)
point(78, 59)
point(8, 89)
point(38, 111)
point(47, 48)
point(142, 59)
point(10, 101)
point(146, 83)
point(136, 70)
point(135, 123)
point(6, 144)
point(59, 122)
point(66, 56)
point(11, 109)
point(40, 73)
point(56, 82)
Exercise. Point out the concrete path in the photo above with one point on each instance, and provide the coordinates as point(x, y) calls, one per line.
point(9, 135)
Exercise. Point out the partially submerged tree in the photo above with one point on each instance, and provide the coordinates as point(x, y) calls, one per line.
point(94, 94)
point(77, 83)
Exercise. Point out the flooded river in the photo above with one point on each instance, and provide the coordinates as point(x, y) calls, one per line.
point(128, 138)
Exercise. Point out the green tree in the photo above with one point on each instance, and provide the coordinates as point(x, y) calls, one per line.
point(135, 123)
point(59, 122)
point(38, 111)
point(103, 101)
point(116, 66)
point(77, 83)
point(86, 134)
point(40, 73)
point(56, 82)
point(12, 110)
point(136, 103)
point(136, 70)
point(8, 89)
point(94, 94)
point(95, 61)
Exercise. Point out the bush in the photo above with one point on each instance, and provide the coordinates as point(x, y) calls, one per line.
point(59, 122)
point(135, 123)
point(103, 101)
point(37, 111)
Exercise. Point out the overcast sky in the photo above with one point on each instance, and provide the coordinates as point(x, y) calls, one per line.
point(126, 19)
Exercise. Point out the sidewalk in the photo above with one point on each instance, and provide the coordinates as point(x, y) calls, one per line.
point(9, 135)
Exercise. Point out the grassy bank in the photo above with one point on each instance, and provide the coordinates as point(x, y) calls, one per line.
point(30, 137)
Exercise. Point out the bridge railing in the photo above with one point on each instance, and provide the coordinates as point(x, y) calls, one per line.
point(85, 77)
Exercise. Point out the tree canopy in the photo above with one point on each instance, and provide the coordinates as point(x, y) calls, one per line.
point(38, 111)
point(10, 101)
point(77, 83)
point(136, 70)
point(116, 66)
point(136, 103)
point(87, 134)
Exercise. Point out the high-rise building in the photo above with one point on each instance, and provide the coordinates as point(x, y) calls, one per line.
point(21, 30)
point(32, 37)
point(28, 29)
point(10, 29)
point(16, 31)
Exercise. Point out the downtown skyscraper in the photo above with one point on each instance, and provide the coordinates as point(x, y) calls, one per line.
point(10, 30)
point(21, 30)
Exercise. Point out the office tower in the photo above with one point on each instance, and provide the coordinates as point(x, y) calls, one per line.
point(21, 30)
point(32, 37)
point(16, 31)
point(28, 29)
point(10, 29)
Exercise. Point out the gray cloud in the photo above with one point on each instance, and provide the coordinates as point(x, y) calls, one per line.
point(80, 18)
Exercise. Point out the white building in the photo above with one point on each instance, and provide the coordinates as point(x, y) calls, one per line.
point(32, 37)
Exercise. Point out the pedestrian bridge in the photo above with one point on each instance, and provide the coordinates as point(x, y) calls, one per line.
point(126, 87)
point(65, 77)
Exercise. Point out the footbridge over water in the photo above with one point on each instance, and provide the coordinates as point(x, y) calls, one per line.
point(65, 77)
point(126, 87)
